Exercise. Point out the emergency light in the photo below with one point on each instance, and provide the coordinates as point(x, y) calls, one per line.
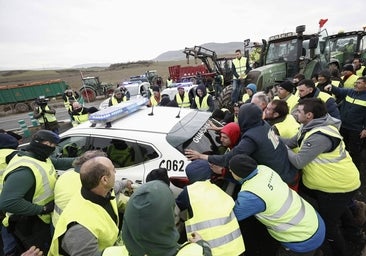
point(117, 111)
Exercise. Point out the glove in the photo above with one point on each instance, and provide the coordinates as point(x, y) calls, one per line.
point(48, 208)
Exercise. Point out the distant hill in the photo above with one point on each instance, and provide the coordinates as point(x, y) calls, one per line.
point(219, 48)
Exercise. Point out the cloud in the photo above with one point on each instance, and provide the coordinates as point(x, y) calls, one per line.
point(43, 33)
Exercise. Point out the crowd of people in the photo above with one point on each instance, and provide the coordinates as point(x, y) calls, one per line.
point(284, 180)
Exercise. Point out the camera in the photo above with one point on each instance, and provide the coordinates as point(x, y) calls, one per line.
point(41, 101)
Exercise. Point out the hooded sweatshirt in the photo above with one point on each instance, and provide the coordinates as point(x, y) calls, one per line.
point(148, 222)
point(316, 143)
point(259, 141)
point(210, 102)
point(232, 130)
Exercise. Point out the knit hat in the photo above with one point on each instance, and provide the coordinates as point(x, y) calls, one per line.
point(325, 73)
point(242, 165)
point(8, 141)
point(232, 130)
point(46, 135)
point(348, 67)
point(159, 174)
point(252, 87)
point(287, 85)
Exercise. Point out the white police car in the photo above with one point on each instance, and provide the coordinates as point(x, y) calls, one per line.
point(152, 137)
point(172, 90)
point(136, 89)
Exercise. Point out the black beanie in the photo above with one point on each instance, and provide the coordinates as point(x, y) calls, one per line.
point(8, 141)
point(287, 85)
point(159, 174)
point(242, 165)
point(46, 135)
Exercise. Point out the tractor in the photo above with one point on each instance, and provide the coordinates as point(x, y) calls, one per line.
point(92, 87)
point(344, 46)
point(283, 56)
point(291, 53)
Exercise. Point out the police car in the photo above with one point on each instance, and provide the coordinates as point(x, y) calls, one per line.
point(172, 90)
point(152, 137)
point(135, 88)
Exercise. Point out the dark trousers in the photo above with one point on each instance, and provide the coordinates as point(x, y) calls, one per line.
point(331, 207)
point(29, 231)
point(356, 148)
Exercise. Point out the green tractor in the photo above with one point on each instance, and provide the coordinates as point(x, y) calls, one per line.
point(92, 87)
point(282, 57)
point(344, 46)
point(291, 53)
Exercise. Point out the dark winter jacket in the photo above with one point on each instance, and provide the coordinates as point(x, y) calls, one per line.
point(260, 142)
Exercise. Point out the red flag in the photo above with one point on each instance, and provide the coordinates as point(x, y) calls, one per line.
point(322, 22)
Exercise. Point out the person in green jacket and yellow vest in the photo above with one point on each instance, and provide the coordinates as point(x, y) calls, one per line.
point(8, 146)
point(93, 228)
point(45, 115)
point(80, 113)
point(212, 217)
point(329, 177)
point(289, 218)
point(27, 194)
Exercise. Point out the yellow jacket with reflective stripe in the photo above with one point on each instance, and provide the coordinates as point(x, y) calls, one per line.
point(204, 106)
point(359, 71)
point(4, 152)
point(288, 217)
point(45, 176)
point(350, 82)
point(288, 127)
point(71, 181)
point(49, 117)
point(67, 103)
point(214, 219)
point(115, 101)
point(185, 103)
point(240, 67)
point(291, 101)
point(91, 216)
point(332, 172)
point(81, 118)
point(190, 249)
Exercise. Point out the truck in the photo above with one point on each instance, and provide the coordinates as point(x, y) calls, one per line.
point(212, 63)
point(21, 97)
point(344, 46)
point(93, 87)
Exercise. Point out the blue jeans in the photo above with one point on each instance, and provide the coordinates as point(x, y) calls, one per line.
point(235, 92)
point(9, 242)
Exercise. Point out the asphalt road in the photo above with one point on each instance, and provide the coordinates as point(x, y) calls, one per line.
point(10, 121)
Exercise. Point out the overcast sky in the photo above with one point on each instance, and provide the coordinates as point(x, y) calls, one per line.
point(63, 33)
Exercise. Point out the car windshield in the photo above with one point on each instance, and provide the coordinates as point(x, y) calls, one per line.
point(192, 132)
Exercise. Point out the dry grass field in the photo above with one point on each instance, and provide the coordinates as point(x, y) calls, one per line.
point(113, 74)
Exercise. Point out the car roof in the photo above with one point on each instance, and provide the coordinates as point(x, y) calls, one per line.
point(162, 120)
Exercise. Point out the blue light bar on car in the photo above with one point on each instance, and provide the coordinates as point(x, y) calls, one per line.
point(118, 111)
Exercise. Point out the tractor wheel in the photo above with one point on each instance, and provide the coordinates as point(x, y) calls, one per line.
point(224, 99)
point(21, 107)
point(88, 94)
point(109, 92)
